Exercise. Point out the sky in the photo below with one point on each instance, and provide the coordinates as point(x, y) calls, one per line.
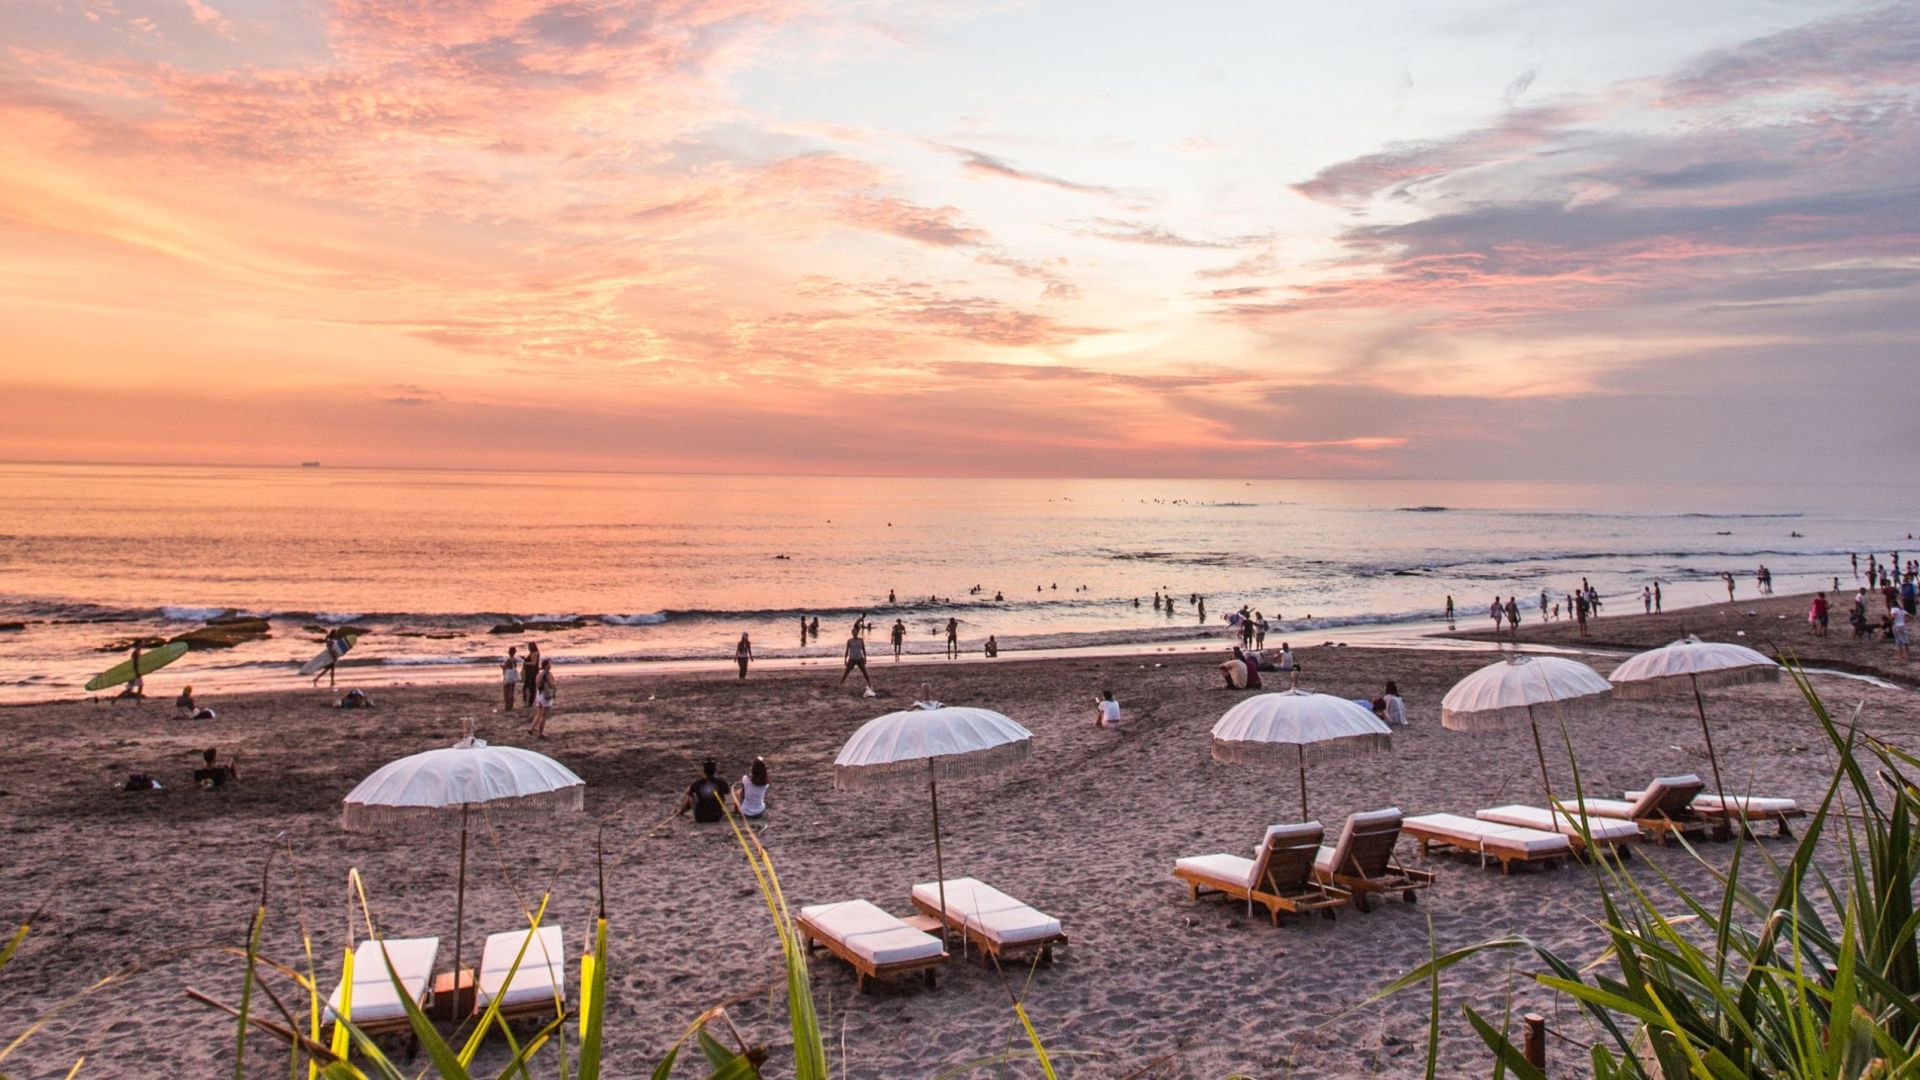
point(1634, 241)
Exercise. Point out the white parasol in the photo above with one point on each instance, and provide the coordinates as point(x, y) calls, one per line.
point(1692, 663)
point(1499, 696)
point(1289, 724)
point(468, 774)
point(936, 741)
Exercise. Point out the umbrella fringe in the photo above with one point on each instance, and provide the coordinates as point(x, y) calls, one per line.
point(362, 817)
point(913, 771)
point(1255, 753)
point(1514, 716)
point(1663, 685)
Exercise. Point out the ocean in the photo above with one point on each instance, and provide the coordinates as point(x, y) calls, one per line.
point(440, 567)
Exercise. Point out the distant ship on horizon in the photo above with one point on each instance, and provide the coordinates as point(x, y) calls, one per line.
point(309, 464)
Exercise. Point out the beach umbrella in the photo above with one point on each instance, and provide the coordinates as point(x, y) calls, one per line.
point(466, 775)
point(1689, 664)
point(933, 741)
point(1289, 724)
point(1499, 696)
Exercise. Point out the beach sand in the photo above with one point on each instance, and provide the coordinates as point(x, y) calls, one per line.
point(1087, 830)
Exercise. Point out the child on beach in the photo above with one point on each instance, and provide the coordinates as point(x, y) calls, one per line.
point(1106, 711)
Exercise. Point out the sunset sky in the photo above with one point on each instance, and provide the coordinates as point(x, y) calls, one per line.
point(1623, 240)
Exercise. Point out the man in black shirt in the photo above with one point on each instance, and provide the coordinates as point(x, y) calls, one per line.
point(705, 796)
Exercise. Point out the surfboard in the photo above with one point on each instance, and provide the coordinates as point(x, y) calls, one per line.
point(150, 661)
point(327, 656)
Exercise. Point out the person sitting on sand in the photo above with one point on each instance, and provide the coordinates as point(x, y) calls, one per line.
point(992, 647)
point(750, 794)
point(1106, 711)
point(1396, 714)
point(213, 774)
point(704, 796)
point(1240, 674)
point(1286, 664)
point(355, 699)
point(185, 709)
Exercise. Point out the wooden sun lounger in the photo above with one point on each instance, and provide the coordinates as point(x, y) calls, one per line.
point(990, 920)
point(877, 945)
point(1745, 809)
point(1281, 878)
point(539, 986)
point(1508, 843)
point(1361, 861)
point(374, 1007)
point(1664, 809)
point(1606, 833)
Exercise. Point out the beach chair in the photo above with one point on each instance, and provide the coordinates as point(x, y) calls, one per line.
point(539, 986)
point(1663, 809)
point(1279, 877)
point(1580, 830)
point(875, 944)
point(1745, 809)
point(1508, 843)
point(990, 920)
point(374, 1007)
point(1361, 860)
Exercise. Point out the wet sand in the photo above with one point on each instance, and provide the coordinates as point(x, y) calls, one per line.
point(1087, 830)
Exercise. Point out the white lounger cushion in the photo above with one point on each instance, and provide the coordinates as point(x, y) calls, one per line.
point(1603, 830)
point(1221, 867)
point(1754, 804)
point(1474, 834)
point(875, 935)
point(373, 996)
point(989, 911)
point(1324, 859)
point(539, 977)
point(1621, 809)
point(1293, 830)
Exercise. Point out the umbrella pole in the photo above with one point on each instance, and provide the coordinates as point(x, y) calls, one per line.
point(939, 865)
point(460, 905)
point(1545, 784)
point(1712, 760)
point(1301, 752)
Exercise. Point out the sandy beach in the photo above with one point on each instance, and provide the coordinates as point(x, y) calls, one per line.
point(1087, 830)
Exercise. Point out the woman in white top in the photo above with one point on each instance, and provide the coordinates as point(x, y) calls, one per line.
point(510, 678)
point(1106, 711)
point(750, 794)
point(1396, 709)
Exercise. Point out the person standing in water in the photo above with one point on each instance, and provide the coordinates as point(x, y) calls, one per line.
point(953, 638)
point(803, 631)
point(743, 654)
point(899, 637)
point(1449, 610)
point(510, 678)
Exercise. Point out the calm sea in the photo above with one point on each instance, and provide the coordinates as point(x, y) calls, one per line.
point(677, 567)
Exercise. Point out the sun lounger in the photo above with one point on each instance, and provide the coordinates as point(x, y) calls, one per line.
point(1609, 833)
point(992, 921)
point(1280, 877)
point(1664, 808)
point(375, 1007)
point(1361, 860)
point(1747, 808)
point(876, 944)
point(1508, 843)
point(539, 983)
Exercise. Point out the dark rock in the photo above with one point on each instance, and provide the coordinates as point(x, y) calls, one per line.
point(225, 634)
point(125, 644)
point(9, 626)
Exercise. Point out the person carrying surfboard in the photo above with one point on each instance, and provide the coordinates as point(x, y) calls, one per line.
point(337, 645)
point(136, 686)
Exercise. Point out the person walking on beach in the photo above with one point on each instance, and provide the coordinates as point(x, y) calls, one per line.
point(1580, 611)
point(1513, 616)
point(1646, 599)
point(1449, 611)
point(743, 654)
point(953, 638)
point(899, 637)
point(1728, 578)
point(510, 679)
point(1499, 613)
point(1106, 711)
point(544, 691)
point(530, 674)
point(803, 631)
point(1818, 615)
point(1902, 633)
point(337, 645)
point(137, 686)
point(1259, 631)
point(1656, 596)
point(855, 656)
point(1544, 601)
